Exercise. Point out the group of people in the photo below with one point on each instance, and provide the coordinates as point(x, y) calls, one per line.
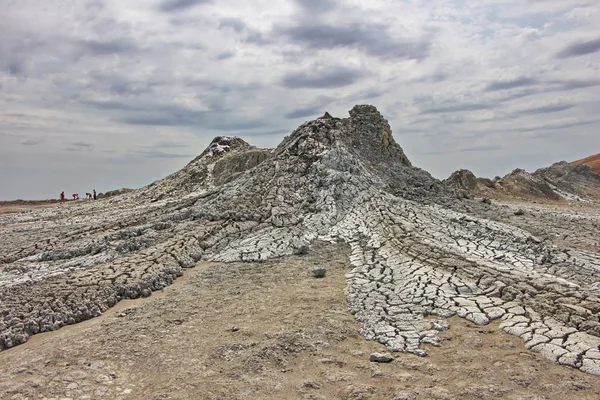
point(88, 196)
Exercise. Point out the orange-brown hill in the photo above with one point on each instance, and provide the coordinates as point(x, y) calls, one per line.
point(592, 161)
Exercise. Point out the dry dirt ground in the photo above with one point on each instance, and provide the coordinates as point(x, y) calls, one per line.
point(270, 331)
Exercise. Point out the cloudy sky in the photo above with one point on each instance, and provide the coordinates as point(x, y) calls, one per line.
point(107, 94)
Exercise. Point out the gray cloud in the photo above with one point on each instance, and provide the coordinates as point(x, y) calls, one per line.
point(224, 87)
point(234, 23)
point(578, 84)
point(16, 68)
point(546, 109)
point(316, 109)
point(373, 39)
point(166, 145)
point(99, 47)
point(239, 26)
point(580, 49)
point(479, 148)
point(316, 6)
point(111, 105)
point(117, 84)
point(181, 116)
point(80, 146)
point(520, 95)
point(457, 108)
point(303, 112)
point(179, 5)
point(330, 77)
point(159, 154)
point(551, 86)
point(511, 84)
point(368, 94)
point(555, 126)
point(30, 142)
point(225, 55)
point(473, 149)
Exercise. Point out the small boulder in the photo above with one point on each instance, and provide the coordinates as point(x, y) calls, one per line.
point(302, 250)
point(319, 272)
point(381, 357)
point(520, 212)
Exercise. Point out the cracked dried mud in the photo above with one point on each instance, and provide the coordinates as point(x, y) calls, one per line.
point(270, 331)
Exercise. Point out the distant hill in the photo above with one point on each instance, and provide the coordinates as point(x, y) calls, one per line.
point(592, 161)
point(560, 181)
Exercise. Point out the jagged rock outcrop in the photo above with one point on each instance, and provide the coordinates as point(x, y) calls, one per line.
point(592, 161)
point(462, 179)
point(223, 160)
point(417, 249)
point(561, 181)
point(521, 183)
point(579, 180)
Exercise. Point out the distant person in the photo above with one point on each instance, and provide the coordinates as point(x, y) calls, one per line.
point(75, 196)
point(62, 195)
point(88, 196)
point(94, 194)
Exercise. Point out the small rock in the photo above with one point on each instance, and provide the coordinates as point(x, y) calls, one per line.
point(234, 329)
point(381, 357)
point(302, 250)
point(486, 201)
point(319, 272)
point(520, 212)
point(311, 385)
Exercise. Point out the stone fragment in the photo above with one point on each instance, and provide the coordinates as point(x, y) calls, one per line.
point(381, 357)
point(319, 272)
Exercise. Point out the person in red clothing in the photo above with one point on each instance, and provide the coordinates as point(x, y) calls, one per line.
point(62, 195)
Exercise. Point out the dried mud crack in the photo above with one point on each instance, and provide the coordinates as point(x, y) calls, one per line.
point(270, 330)
point(420, 252)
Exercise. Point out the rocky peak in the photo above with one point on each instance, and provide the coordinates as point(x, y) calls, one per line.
point(578, 179)
point(224, 144)
point(371, 134)
point(517, 171)
point(366, 134)
point(462, 179)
